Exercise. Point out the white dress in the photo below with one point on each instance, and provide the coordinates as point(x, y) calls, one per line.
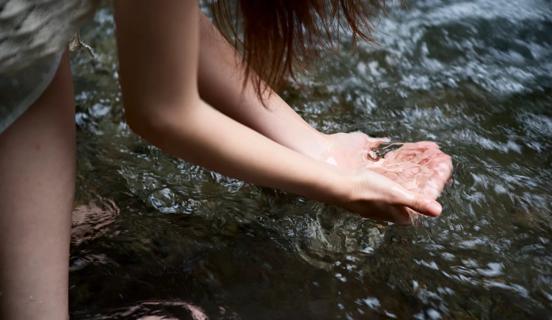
point(33, 36)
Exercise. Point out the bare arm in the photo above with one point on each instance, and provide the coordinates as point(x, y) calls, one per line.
point(220, 81)
point(159, 53)
point(220, 84)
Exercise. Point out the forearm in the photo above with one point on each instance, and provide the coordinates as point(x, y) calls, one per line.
point(204, 136)
point(221, 82)
point(159, 52)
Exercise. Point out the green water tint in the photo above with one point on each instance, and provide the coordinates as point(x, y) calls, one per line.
point(474, 76)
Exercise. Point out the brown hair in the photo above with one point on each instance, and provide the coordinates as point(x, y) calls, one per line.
point(278, 36)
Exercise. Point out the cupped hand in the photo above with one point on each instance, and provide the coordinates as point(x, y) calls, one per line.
point(376, 196)
point(419, 168)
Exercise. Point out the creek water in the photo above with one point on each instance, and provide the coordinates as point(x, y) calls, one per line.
point(475, 76)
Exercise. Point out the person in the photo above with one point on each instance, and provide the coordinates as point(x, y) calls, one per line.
point(187, 91)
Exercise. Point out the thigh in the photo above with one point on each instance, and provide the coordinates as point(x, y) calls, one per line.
point(37, 172)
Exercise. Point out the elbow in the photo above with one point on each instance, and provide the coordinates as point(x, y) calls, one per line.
point(153, 126)
point(160, 123)
point(143, 124)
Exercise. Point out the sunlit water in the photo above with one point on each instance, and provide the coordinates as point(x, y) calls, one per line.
point(475, 76)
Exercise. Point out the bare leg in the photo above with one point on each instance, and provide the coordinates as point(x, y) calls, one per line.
point(37, 173)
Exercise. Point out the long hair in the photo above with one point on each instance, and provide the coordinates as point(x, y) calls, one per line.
point(279, 37)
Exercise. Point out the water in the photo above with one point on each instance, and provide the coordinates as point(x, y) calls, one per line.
point(476, 76)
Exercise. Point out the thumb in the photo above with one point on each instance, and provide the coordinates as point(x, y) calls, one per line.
point(417, 202)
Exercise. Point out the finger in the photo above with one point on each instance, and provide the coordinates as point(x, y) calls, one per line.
point(417, 202)
point(433, 188)
point(379, 211)
point(442, 166)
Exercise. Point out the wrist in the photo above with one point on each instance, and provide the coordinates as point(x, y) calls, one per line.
point(341, 187)
point(317, 146)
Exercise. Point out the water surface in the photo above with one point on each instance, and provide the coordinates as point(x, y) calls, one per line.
point(475, 76)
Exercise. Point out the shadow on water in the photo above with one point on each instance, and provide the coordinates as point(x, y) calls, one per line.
point(156, 236)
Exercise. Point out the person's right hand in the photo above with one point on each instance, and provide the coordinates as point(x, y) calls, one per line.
point(375, 196)
point(419, 167)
